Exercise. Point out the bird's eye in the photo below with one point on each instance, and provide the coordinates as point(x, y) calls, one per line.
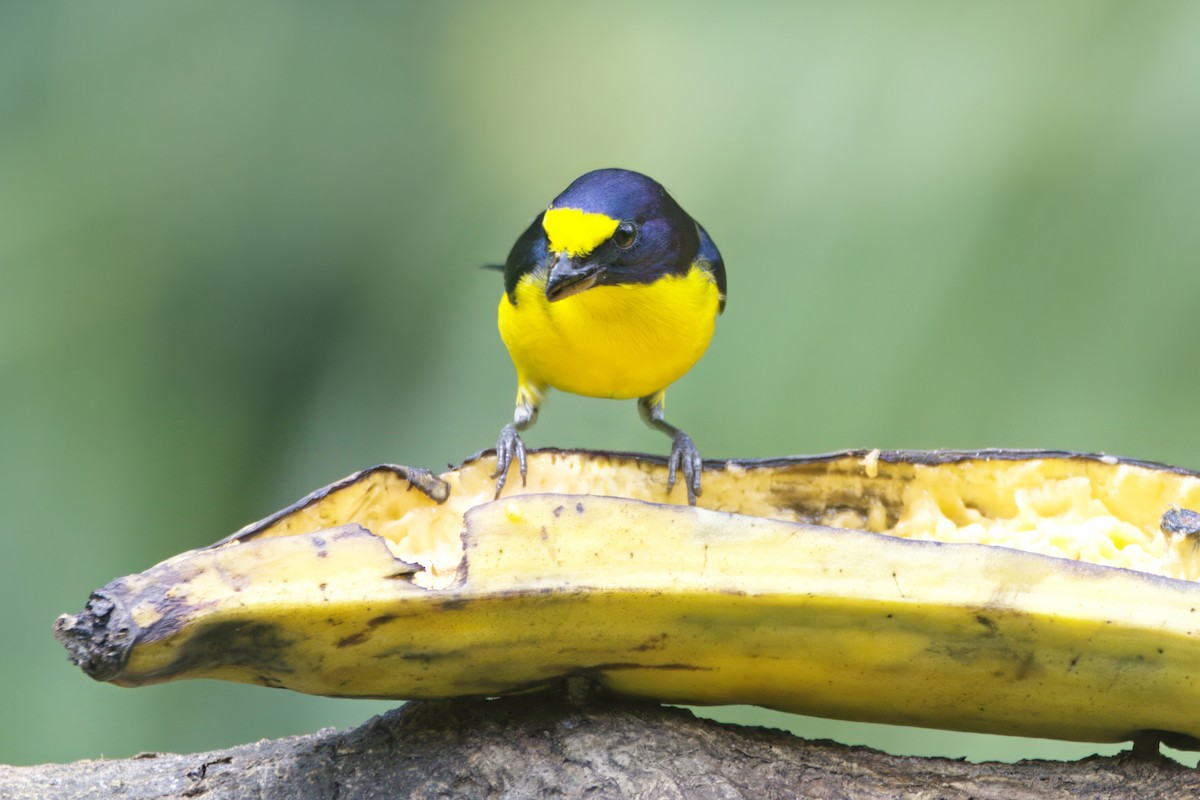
point(625, 235)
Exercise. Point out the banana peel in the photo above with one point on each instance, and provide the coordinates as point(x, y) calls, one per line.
point(1041, 594)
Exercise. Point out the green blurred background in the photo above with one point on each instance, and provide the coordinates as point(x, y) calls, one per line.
point(239, 249)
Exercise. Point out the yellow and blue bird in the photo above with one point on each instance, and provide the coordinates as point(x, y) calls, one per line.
point(613, 291)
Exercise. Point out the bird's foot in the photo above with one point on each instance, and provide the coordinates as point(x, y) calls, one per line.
point(685, 455)
point(508, 445)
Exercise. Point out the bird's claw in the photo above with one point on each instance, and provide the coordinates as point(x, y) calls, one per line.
point(685, 455)
point(508, 445)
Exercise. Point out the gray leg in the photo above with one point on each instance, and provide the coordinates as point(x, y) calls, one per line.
point(509, 444)
point(683, 450)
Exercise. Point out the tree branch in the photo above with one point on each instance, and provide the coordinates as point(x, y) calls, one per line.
point(541, 745)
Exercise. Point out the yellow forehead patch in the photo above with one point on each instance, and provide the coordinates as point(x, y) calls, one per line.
point(576, 232)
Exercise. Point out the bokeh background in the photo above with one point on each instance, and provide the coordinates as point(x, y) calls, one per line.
point(239, 249)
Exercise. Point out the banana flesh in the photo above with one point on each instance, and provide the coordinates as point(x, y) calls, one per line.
point(884, 587)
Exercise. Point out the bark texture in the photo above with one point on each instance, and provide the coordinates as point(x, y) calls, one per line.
point(539, 746)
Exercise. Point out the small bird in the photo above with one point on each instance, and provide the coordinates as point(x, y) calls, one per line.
point(613, 291)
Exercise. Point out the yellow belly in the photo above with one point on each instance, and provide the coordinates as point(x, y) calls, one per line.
point(609, 341)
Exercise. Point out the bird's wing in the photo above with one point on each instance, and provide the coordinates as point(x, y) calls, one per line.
point(708, 257)
point(530, 250)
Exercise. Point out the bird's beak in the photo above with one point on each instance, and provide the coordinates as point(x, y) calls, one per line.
point(568, 277)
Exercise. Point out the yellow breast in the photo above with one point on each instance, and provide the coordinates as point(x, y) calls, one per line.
point(609, 341)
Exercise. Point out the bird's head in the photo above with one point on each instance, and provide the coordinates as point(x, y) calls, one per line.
point(613, 227)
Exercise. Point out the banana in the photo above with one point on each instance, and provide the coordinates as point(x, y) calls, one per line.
point(1030, 593)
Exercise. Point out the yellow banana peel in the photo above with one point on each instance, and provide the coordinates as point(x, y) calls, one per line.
point(1031, 593)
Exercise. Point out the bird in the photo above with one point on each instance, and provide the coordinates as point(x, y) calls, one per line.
point(612, 291)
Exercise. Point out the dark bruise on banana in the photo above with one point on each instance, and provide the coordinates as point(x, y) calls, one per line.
point(1043, 594)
